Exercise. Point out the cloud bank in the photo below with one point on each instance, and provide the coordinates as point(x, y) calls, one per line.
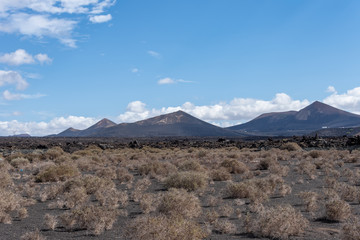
point(50, 18)
point(223, 113)
point(20, 57)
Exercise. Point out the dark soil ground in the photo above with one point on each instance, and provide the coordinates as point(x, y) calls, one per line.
point(319, 228)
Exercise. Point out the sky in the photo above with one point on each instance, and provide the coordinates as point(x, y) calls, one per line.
point(70, 63)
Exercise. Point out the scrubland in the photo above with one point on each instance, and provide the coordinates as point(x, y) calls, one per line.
point(180, 193)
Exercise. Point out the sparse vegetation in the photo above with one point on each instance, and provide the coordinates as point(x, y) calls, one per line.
point(176, 193)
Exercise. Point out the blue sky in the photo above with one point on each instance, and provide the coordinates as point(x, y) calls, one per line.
point(69, 63)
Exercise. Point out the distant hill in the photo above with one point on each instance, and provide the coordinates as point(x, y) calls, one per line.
point(177, 124)
point(97, 127)
point(337, 132)
point(311, 118)
point(22, 135)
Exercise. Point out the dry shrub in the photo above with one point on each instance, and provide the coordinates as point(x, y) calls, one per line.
point(92, 218)
point(267, 162)
point(154, 168)
point(220, 174)
point(290, 146)
point(163, 228)
point(50, 192)
point(190, 181)
point(108, 196)
point(307, 167)
point(278, 222)
point(9, 202)
point(315, 154)
point(224, 226)
point(75, 197)
point(190, 165)
point(50, 221)
point(19, 162)
point(5, 179)
point(106, 172)
point(257, 190)
point(93, 183)
point(35, 235)
point(348, 192)
point(284, 190)
point(178, 202)
point(351, 230)
point(310, 199)
point(123, 175)
point(234, 166)
point(57, 173)
point(148, 202)
point(22, 213)
point(279, 170)
point(213, 201)
point(211, 216)
point(337, 210)
point(226, 210)
point(53, 153)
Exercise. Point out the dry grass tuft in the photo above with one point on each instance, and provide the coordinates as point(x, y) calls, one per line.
point(178, 202)
point(190, 181)
point(50, 221)
point(163, 228)
point(35, 235)
point(57, 173)
point(337, 210)
point(278, 222)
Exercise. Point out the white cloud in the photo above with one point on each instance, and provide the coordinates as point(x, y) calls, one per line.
point(237, 110)
point(7, 95)
point(20, 57)
point(50, 18)
point(39, 26)
point(135, 70)
point(43, 58)
point(154, 54)
point(14, 78)
point(57, 6)
point(349, 101)
point(54, 126)
point(166, 81)
point(331, 89)
point(100, 18)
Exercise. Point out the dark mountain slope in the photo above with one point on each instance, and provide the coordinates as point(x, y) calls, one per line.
point(313, 117)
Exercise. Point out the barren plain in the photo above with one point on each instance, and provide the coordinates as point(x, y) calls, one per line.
point(74, 188)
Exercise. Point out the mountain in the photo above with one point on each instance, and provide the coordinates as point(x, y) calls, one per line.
point(177, 124)
point(72, 132)
point(337, 132)
point(311, 118)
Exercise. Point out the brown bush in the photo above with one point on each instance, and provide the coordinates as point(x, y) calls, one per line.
point(351, 230)
point(211, 216)
point(57, 173)
point(190, 165)
point(290, 146)
point(9, 202)
point(220, 174)
point(310, 199)
point(50, 221)
point(257, 190)
point(148, 202)
point(163, 228)
point(224, 226)
point(154, 168)
point(35, 235)
point(226, 210)
point(190, 181)
point(337, 210)
point(234, 166)
point(19, 162)
point(123, 175)
point(106, 172)
point(178, 202)
point(93, 183)
point(54, 153)
point(271, 223)
point(93, 218)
